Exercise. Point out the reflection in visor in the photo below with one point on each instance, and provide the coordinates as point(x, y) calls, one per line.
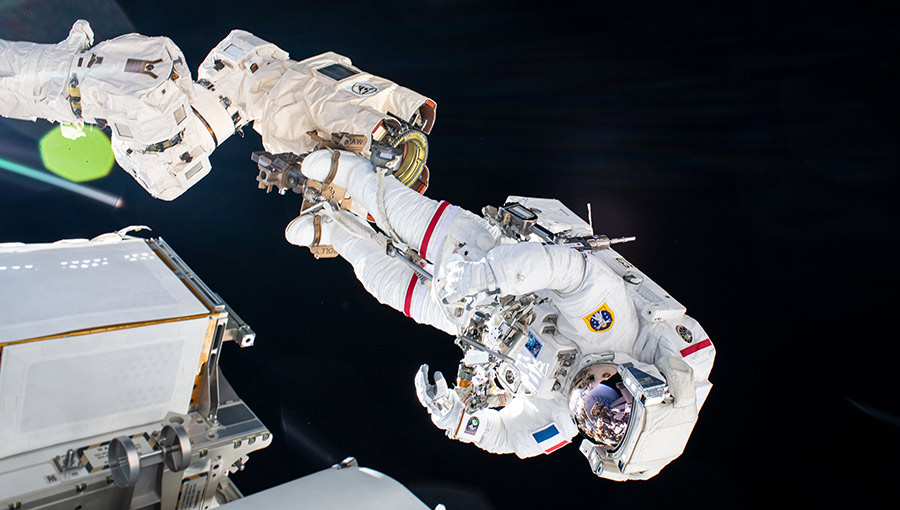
point(604, 414)
point(600, 394)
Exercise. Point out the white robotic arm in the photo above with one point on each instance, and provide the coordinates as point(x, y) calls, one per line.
point(164, 126)
point(34, 77)
point(241, 71)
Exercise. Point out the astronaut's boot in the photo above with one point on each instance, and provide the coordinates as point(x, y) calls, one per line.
point(301, 231)
point(315, 232)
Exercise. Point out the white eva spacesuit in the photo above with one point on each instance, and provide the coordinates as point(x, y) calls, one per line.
point(164, 126)
point(587, 328)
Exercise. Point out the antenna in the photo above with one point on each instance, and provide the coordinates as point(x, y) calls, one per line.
point(590, 218)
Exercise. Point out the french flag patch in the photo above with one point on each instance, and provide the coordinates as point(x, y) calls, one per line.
point(549, 439)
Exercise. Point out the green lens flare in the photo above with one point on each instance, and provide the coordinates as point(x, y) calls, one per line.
point(84, 159)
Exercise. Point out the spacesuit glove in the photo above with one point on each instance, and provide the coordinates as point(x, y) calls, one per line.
point(462, 278)
point(442, 403)
point(81, 36)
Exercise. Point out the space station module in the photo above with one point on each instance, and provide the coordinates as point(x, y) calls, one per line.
point(164, 125)
point(561, 333)
point(112, 396)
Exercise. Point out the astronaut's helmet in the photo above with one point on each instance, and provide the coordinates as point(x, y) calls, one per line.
point(600, 405)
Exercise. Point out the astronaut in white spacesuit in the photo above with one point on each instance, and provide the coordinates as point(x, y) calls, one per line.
point(567, 374)
point(164, 125)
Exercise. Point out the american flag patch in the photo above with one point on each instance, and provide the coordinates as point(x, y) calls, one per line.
point(549, 439)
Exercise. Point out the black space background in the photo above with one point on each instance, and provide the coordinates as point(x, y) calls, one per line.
point(751, 148)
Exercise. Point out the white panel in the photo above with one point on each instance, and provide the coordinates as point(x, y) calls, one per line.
point(334, 489)
point(51, 289)
point(69, 388)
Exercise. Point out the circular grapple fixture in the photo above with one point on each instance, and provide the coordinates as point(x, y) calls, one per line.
point(413, 143)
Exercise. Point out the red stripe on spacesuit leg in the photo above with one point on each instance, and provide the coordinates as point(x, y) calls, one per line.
point(557, 447)
point(687, 351)
point(431, 225)
point(409, 294)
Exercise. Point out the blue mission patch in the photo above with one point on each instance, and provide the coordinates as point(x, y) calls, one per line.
point(600, 319)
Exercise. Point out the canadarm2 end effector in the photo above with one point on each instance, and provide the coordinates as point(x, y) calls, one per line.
point(320, 102)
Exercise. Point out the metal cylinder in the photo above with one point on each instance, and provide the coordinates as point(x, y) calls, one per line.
point(173, 450)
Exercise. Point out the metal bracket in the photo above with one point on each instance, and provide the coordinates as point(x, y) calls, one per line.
point(408, 258)
point(68, 462)
point(209, 402)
